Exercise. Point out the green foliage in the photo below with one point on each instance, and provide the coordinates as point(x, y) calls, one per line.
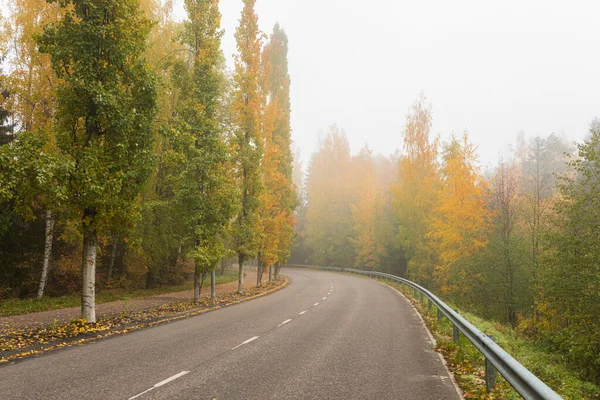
point(205, 194)
point(247, 141)
point(106, 104)
point(571, 284)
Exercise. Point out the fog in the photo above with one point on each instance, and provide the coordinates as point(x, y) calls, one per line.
point(493, 68)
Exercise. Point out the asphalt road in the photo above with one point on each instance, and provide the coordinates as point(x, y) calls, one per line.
point(325, 336)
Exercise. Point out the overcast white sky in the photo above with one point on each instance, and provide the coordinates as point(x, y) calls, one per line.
point(492, 67)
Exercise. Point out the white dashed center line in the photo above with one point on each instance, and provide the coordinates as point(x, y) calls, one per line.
point(325, 298)
point(246, 342)
point(303, 312)
point(316, 304)
point(179, 375)
point(284, 322)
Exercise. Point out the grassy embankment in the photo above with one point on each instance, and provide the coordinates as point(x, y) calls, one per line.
point(26, 306)
point(468, 365)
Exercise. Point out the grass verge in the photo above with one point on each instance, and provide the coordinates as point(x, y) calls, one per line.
point(26, 306)
point(468, 364)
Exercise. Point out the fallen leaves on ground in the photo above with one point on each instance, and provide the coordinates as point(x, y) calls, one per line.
point(32, 341)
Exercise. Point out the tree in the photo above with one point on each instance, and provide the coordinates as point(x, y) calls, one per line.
point(329, 224)
point(416, 193)
point(247, 109)
point(205, 194)
point(544, 160)
point(279, 198)
point(459, 225)
point(33, 83)
point(571, 285)
point(506, 267)
point(5, 127)
point(365, 211)
point(106, 105)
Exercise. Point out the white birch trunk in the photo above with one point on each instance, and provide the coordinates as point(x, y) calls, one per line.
point(47, 253)
point(88, 290)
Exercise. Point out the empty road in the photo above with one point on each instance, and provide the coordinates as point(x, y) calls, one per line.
point(325, 336)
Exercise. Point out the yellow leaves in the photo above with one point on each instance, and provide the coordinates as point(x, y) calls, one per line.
point(460, 222)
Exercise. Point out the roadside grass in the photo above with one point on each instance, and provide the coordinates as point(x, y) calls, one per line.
point(468, 364)
point(26, 306)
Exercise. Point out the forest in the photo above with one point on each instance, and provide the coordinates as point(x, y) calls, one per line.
point(517, 243)
point(131, 156)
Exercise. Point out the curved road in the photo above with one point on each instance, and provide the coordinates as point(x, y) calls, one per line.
point(326, 336)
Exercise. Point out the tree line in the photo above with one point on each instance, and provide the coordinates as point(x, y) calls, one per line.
point(130, 154)
point(517, 243)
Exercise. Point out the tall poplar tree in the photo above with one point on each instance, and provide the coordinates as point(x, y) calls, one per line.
point(106, 105)
point(205, 193)
point(247, 109)
point(279, 198)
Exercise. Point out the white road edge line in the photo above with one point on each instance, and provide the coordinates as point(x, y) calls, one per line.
point(303, 312)
point(159, 384)
point(284, 322)
point(246, 342)
point(316, 304)
point(433, 341)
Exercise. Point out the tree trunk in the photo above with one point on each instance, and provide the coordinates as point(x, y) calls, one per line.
point(179, 251)
point(113, 254)
point(88, 289)
point(223, 266)
point(240, 272)
point(150, 279)
point(270, 274)
point(213, 284)
point(196, 284)
point(47, 253)
point(277, 267)
point(259, 266)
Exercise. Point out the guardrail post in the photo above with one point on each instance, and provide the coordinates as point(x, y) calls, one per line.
point(421, 296)
point(456, 334)
point(490, 373)
point(429, 305)
point(440, 315)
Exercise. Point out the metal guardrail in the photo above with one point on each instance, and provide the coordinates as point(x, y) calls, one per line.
point(525, 383)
